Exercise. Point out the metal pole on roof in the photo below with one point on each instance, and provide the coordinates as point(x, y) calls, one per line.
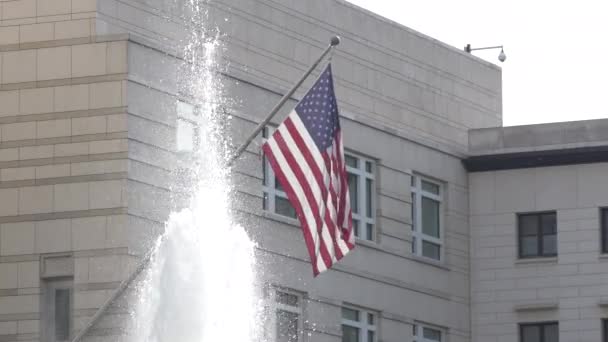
point(143, 264)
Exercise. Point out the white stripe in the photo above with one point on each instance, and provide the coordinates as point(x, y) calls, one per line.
point(314, 187)
point(293, 181)
point(334, 216)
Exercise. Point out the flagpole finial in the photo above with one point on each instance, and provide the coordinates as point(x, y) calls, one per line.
point(335, 40)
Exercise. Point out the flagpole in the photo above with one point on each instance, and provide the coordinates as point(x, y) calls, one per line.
point(148, 256)
point(335, 40)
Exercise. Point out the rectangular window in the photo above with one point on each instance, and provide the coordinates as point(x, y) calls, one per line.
point(604, 225)
point(605, 330)
point(358, 325)
point(187, 132)
point(57, 310)
point(427, 235)
point(424, 333)
point(360, 173)
point(275, 199)
point(539, 332)
point(537, 235)
point(286, 316)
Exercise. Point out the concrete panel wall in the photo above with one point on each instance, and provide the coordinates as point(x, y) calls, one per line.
point(63, 159)
point(574, 281)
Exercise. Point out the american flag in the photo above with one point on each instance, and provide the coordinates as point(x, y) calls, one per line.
point(307, 156)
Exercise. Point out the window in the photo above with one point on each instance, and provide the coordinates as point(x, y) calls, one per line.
point(187, 131)
point(537, 235)
point(361, 189)
point(605, 330)
point(57, 310)
point(426, 217)
point(604, 225)
point(358, 325)
point(286, 316)
point(426, 334)
point(275, 199)
point(539, 332)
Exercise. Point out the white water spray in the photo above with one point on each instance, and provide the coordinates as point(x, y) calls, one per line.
point(199, 286)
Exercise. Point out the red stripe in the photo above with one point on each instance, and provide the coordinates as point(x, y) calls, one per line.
point(314, 167)
point(295, 203)
point(314, 207)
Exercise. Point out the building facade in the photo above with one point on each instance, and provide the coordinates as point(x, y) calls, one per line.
point(463, 235)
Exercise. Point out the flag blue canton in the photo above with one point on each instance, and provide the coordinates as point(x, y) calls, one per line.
point(318, 110)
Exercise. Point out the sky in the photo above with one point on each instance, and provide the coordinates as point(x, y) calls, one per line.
point(556, 50)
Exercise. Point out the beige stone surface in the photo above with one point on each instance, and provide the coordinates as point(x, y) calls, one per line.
point(35, 152)
point(18, 131)
point(106, 194)
point(17, 173)
point(89, 233)
point(70, 98)
point(18, 66)
point(7, 154)
point(108, 146)
point(106, 94)
point(19, 304)
point(8, 276)
point(53, 236)
point(53, 128)
point(117, 57)
point(17, 238)
point(117, 123)
point(10, 103)
point(18, 9)
point(52, 171)
point(89, 125)
point(29, 274)
point(36, 32)
point(36, 199)
point(88, 60)
point(28, 326)
point(53, 7)
point(72, 149)
point(71, 196)
point(8, 328)
point(9, 35)
point(72, 29)
point(84, 6)
point(8, 198)
point(35, 101)
point(54, 63)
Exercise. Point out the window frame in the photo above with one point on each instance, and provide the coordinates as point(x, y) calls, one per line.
point(275, 306)
point(418, 236)
point(362, 325)
point(604, 230)
point(269, 183)
point(541, 325)
point(270, 192)
point(362, 177)
point(539, 230)
point(50, 286)
point(418, 332)
point(191, 118)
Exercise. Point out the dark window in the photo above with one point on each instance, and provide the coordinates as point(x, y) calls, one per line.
point(62, 314)
point(537, 235)
point(605, 328)
point(539, 332)
point(604, 223)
